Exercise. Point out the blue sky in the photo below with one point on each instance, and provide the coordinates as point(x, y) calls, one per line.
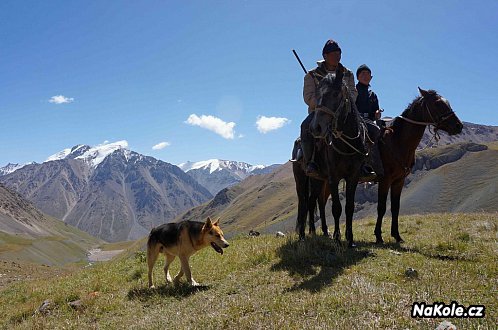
point(150, 72)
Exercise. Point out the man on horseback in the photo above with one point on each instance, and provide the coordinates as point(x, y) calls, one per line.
point(367, 104)
point(332, 56)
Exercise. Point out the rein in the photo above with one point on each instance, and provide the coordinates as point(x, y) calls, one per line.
point(344, 106)
point(435, 123)
point(435, 133)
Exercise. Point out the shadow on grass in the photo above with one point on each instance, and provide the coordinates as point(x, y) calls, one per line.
point(167, 290)
point(444, 255)
point(318, 260)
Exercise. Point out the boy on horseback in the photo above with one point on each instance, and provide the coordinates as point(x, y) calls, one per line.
point(367, 104)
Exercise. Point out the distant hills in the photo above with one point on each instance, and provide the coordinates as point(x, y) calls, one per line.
point(216, 174)
point(116, 194)
point(26, 234)
point(108, 191)
point(461, 177)
point(471, 133)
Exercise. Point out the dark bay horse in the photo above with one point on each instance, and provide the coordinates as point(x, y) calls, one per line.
point(397, 149)
point(337, 121)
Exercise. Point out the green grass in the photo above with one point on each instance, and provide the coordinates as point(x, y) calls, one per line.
point(281, 283)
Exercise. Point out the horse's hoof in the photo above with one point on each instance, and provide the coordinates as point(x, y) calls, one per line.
point(378, 239)
point(398, 239)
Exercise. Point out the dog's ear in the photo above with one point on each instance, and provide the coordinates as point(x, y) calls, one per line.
point(208, 224)
point(217, 222)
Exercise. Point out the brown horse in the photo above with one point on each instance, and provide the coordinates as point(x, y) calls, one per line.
point(397, 149)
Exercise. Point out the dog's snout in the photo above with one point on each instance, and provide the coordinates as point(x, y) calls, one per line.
point(226, 245)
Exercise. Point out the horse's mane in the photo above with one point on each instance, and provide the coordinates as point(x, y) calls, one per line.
point(432, 94)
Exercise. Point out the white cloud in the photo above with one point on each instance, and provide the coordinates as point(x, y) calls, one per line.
point(59, 99)
point(213, 124)
point(161, 145)
point(267, 124)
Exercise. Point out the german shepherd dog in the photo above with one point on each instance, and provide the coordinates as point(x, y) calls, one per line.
point(182, 239)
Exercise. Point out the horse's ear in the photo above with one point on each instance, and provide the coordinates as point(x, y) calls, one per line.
point(422, 92)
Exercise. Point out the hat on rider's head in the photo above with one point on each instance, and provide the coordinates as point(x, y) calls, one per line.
point(362, 67)
point(330, 46)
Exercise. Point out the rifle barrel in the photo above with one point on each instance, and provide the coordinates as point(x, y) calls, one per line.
point(299, 60)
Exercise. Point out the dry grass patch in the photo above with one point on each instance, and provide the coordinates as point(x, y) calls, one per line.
point(281, 283)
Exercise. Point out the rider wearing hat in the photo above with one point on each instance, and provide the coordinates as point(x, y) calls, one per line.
point(367, 104)
point(331, 63)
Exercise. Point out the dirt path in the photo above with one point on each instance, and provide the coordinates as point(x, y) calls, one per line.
point(99, 255)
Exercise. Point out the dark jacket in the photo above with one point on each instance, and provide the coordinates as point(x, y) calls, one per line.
point(366, 102)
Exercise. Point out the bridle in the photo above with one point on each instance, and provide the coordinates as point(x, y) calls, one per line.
point(434, 122)
point(332, 132)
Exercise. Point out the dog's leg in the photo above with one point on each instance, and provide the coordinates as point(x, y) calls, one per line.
point(186, 270)
point(152, 254)
point(168, 260)
point(178, 276)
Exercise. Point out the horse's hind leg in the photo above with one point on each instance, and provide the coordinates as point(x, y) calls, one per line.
point(381, 210)
point(302, 189)
point(322, 202)
point(395, 197)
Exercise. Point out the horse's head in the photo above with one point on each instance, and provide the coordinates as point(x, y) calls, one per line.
point(331, 96)
point(438, 111)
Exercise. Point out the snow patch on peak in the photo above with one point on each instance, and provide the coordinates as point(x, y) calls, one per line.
point(9, 168)
point(60, 155)
point(95, 155)
point(217, 165)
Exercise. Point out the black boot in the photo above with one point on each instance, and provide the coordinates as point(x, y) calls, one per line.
point(297, 151)
point(376, 162)
point(367, 173)
point(308, 148)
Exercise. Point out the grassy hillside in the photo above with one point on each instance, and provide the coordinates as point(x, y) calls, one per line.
point(257, 202)
point(280, 283)
point(462, 178)
point(468, 185)
point(65, 244)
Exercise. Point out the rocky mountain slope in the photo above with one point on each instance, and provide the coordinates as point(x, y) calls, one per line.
point(108, 191)
point(216, 174)
point(29, 235)
point(457, 178)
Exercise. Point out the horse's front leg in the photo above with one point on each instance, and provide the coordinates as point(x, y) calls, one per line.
point(351, 185)
point(311, 212)
point(336, 207)
point(322, 202)
point(383, 190)
point(396, 189)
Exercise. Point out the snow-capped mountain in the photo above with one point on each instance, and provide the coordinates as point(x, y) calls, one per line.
point(217, 165)
point(108, 191)
point(216, 174)
point(9, 168)
point(91, 155)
